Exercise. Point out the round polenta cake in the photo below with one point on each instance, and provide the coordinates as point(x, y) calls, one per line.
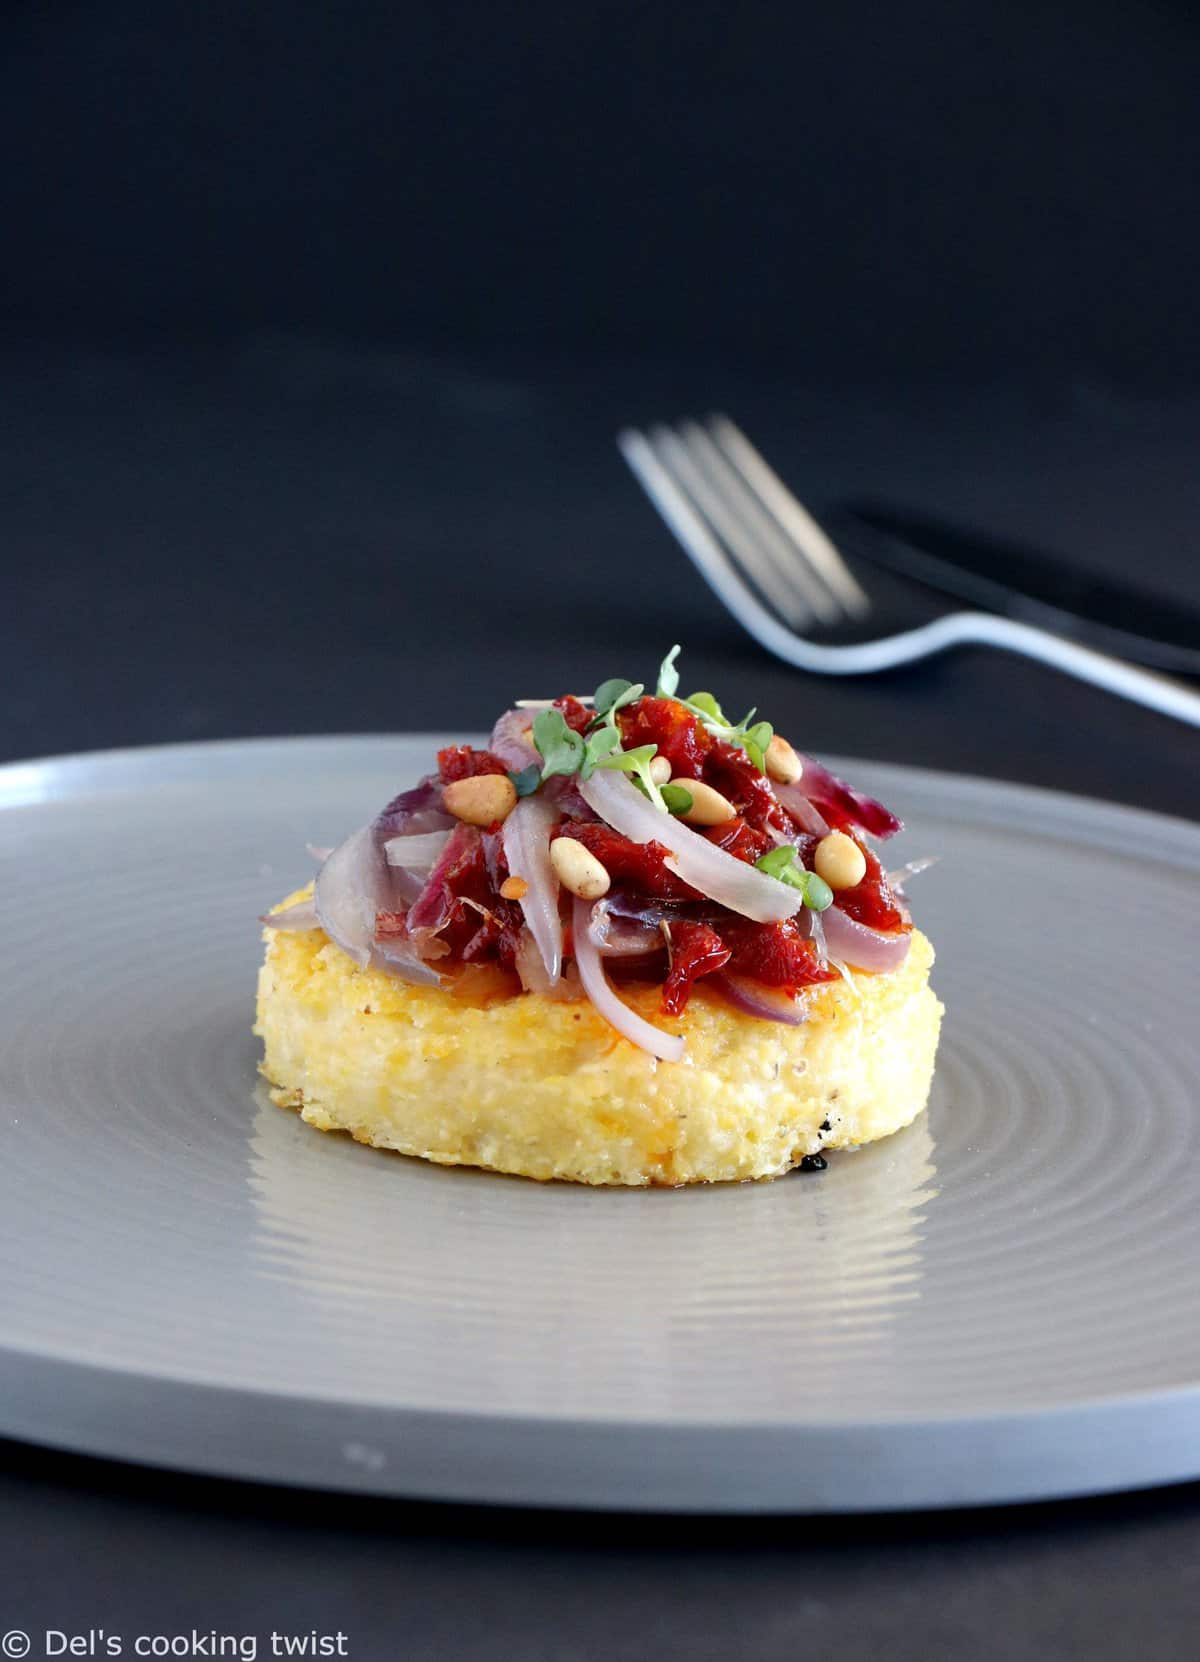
point(544, 1087)
point(631, 942)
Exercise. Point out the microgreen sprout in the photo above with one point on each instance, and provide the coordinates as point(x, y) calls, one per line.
point(564, 751)
point(527, 781)
point(677, 798)
point(782, 864)
point(637, 762)
point(752, 736)
point(560, 748)
point(612, 696)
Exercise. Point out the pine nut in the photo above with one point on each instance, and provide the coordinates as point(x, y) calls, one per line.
point(484, 800)
point(578, 869)
point(514, 888)
point(783, 764)
point(708, 807)
point(840, 861)
point(659, 770)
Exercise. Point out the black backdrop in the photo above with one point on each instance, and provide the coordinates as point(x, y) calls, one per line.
point(935, 186)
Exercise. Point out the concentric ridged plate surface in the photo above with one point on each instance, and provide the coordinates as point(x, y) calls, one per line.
point(1000, 1302)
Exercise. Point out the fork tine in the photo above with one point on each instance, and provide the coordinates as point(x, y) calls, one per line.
point(694, 536)
point(731, 529)
point(805, 533)
point(791, 584)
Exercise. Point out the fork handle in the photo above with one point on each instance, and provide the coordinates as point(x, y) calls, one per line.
point(1142, 686)
point(1114, 675)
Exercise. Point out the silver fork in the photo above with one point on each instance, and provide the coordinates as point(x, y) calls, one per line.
point(771, 565)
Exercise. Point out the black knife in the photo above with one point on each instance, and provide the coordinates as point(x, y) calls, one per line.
point(1024, 583)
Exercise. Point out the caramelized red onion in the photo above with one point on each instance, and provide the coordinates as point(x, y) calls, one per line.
point(668, 1047)
point(303, 915)
point(720, 876)
point(416, 851)
point(526, 838)
point(619, 937)
point(825, 790)
point(752, 998)
point(429, 912)
point(861, 947)
point(510, 740)
point(792, 798)
point(415, 811)
point(353, 886)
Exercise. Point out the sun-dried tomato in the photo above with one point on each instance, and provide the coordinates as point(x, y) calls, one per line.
point(630, 865)
point(740, 839)
point(729, 770)
point(871, 901)
point(576, 714)
point(460, 761)
point(676, 731)
point(774, 953)
point(696, 950)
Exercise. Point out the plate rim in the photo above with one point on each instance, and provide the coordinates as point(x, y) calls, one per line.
point(237, 1431)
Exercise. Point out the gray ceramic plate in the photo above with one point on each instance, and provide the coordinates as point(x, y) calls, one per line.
point(999, 1303)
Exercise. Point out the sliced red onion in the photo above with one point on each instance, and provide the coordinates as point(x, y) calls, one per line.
point(533, 973)
point(430, 910)
point(418, 851)
point(415, 811)
point(319, 853)
point(755, 999)
point(825, 789)
point(792, 798)
point(864, 948)
point(527, 849)
point(303, 915)
point(510, 740)
point(617, 937)
point(352, 886)
point(564, 793)
point(668, 1047)
point(720, 876)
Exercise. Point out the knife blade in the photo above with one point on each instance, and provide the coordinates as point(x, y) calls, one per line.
point(1020, 582)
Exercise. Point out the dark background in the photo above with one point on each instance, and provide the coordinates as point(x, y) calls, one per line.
point(318, 322)
point(852, 190)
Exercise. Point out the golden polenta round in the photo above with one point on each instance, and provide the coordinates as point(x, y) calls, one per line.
point(545, 1088)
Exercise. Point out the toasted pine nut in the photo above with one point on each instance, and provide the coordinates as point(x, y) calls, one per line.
point(840, 861)
point(578, 869)
point(659, 769)
point(708, 807)
point(483, 800)
point(782, 761)
point(514, 888)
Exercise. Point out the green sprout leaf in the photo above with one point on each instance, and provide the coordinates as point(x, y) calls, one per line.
point(597, 745)
point(782, 864)
point(779, 862)
point(561, 749)
point(637, 762)
point(818, 895)
point(612, 696)
point(754, 742)
point(677, 798)
point(704, 704)
point(527, 781)
point(753, 737)
point(668, 675)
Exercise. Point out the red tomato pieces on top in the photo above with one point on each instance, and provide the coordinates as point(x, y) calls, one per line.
point(630, 865)
point(696, 950)
point(459, 761)
point(775, 954)
point(871, 901)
